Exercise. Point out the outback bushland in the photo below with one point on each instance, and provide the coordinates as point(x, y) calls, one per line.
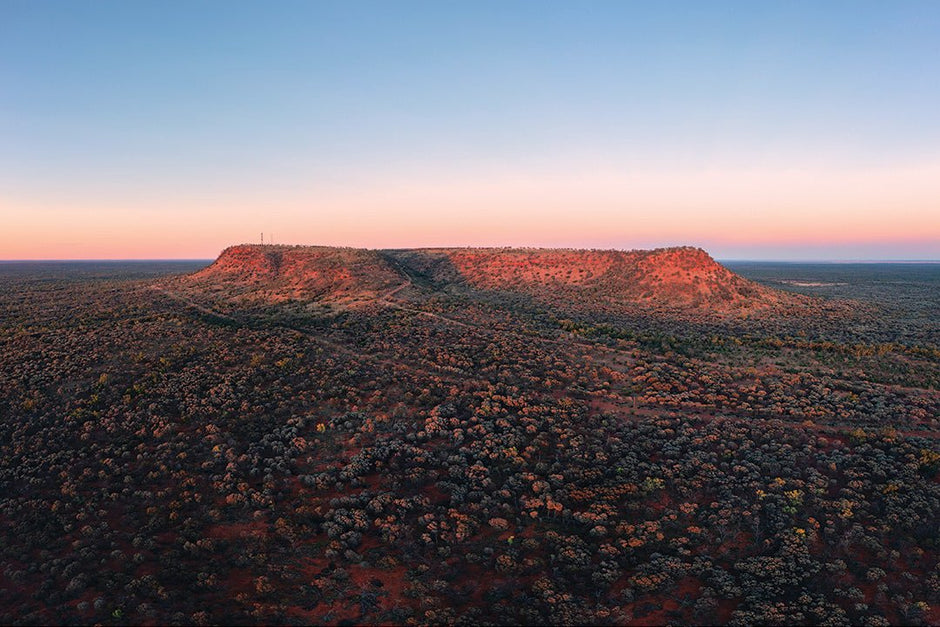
point(464, 436)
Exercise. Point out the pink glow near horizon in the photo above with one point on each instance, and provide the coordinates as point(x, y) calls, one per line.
point(894, 211)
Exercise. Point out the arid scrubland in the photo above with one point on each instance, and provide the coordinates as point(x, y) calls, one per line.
point(338, 436)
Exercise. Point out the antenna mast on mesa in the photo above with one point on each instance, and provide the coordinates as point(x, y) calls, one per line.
point(262, 238)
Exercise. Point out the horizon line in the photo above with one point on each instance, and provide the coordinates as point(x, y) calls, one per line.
point(718, 259)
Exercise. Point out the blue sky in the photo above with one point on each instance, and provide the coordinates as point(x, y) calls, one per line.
point(165, 129)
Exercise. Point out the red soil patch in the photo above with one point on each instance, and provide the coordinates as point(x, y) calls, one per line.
point(232, 531)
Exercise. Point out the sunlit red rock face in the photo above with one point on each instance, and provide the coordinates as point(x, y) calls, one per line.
point(689, 277)
point(279, 273)
point(666, 279)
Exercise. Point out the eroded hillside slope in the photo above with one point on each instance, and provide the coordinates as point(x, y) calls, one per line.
point(275, 274)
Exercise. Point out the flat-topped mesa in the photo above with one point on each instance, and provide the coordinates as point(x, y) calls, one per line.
point(278, 273)
point(681, 278)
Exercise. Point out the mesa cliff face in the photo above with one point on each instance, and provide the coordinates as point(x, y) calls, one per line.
point(676, 279)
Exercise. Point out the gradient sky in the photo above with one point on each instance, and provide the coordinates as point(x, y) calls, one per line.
point(775, 130)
